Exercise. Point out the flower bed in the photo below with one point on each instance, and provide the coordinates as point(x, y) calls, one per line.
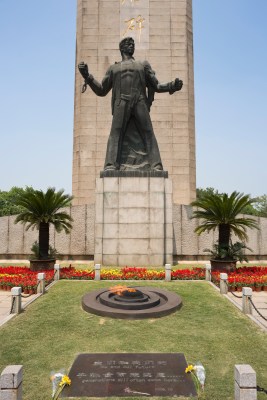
point(23, 277)
point(132, 273)
point(255, 277)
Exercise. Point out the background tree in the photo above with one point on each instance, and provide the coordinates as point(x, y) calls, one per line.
point(40, 209)
point(8, 201)
point(200, 192)
point(261, 205)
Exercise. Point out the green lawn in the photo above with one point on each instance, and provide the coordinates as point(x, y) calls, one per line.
point(90, 265)
point(208, 328)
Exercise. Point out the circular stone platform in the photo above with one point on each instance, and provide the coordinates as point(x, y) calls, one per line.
point(149, 302)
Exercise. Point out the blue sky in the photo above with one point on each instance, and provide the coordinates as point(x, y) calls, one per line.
point(37, 84)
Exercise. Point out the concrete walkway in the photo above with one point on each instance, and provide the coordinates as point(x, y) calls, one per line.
point(5, 305)
point(260, 301)
point(258, 298)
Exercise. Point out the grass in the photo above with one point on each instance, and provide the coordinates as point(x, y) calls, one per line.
point(90, 265)
point(54, 329)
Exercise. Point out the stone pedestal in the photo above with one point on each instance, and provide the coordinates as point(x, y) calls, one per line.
point(133, 225)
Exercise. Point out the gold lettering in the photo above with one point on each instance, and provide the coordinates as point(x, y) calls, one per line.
point(135, 24)
point(131, 25)
point(139, 26)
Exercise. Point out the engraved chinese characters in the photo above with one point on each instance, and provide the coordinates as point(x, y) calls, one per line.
point(101, 375)
point(134, 21)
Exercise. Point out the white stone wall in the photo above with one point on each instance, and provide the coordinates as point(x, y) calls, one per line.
point(15, 241)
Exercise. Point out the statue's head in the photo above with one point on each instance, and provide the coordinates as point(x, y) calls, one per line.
point(127, 46)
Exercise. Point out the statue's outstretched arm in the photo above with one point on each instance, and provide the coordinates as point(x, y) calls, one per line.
point(100, 89)
point(170, 87)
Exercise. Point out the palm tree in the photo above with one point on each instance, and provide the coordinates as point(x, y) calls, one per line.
point(223, 211)
point(42, 209)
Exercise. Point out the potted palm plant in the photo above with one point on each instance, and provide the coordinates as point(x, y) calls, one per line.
point(40, 209)
point(222, 212)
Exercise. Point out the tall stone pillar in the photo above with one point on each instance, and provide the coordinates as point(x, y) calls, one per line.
point(162, 30)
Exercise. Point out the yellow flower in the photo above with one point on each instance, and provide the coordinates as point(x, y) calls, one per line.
point(65, 381)
point(190, 368)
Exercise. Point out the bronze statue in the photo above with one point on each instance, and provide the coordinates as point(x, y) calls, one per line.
point(132, 143)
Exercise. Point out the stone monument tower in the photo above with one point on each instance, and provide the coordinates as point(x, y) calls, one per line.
point(162, 30)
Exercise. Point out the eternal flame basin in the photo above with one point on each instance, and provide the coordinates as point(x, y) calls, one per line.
point(135, 302)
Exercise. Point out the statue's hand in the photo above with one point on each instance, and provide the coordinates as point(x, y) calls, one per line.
point(83, 68)
point(178, 84)
point(175, 85)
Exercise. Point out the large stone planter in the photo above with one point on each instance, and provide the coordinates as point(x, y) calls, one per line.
point(40, 265)
point(223, 266)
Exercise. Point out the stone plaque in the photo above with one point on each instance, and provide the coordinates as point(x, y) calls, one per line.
point(125, 374)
